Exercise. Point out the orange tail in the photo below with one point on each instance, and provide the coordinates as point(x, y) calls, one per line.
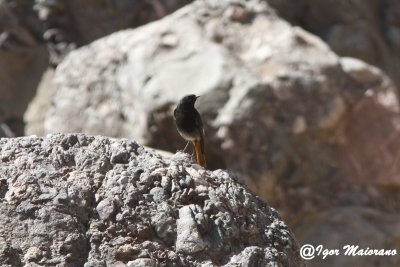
point(199, 149)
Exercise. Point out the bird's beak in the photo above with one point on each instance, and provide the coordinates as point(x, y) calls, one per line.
point(197, 96)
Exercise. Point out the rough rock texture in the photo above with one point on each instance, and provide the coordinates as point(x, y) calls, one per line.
point(74, 200)
point(368, 30)
point(310, 131)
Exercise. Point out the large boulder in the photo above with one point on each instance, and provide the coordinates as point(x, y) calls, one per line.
point(74, 200)
point(368, 30)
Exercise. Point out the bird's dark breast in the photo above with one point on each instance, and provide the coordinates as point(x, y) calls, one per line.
point(186, 124)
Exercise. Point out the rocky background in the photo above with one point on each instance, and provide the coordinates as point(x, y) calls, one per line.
point(298, 97)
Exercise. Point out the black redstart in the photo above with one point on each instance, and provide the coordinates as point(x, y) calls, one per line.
point(190, 127)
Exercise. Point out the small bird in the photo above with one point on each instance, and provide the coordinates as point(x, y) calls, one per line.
point(190, 127)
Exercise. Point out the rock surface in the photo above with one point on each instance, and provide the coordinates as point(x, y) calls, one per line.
point(74, 200)
point(368, 30)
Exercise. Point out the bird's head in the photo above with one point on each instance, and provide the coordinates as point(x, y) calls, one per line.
point(188, 100)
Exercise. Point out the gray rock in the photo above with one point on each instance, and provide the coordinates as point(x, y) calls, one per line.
point(142, 263)
point(33, 254)
point(251, 256)
point(352, 29)
point(189, 239)
point(159, 194)
point(125, 227)
point(164, 223)
point(106, 208)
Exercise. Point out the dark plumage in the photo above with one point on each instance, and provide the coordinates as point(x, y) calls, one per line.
point(190, 126)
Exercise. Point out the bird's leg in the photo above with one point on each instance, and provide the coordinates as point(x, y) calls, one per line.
point(184, 149)
point(186, 146)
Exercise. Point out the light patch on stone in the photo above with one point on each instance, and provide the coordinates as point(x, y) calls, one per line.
point(335, 111)
point(299, 125)
point(388, 99)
